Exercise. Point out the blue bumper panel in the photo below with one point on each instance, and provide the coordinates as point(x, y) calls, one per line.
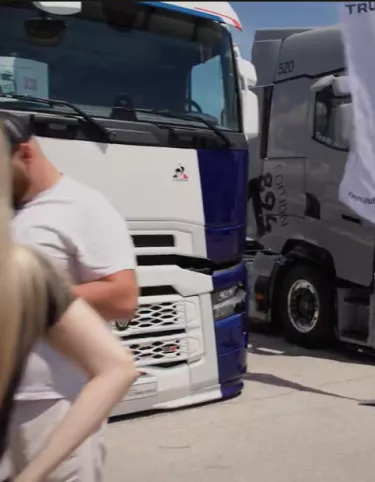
point(231, 389)
point(231, 335)
point(230, 277)
point(231, 362)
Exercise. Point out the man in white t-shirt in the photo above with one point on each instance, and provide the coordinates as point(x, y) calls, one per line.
point(78, 228)
point(357, 189)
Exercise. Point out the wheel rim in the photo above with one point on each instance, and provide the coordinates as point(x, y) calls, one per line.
point(303, 306)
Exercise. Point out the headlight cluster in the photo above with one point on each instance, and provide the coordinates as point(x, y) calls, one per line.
point(228, 302)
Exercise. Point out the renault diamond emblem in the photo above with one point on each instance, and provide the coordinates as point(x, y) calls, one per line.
point(121, 325)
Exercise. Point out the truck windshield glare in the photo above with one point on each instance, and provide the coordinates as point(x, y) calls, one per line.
point(163, 60)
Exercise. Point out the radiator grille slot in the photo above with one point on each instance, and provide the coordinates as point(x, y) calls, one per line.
point(160, 350)
point(153, 240)
point(154, 314)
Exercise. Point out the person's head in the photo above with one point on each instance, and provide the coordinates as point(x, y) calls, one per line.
point(8, 313)
point(22, 278)
point(31, 172)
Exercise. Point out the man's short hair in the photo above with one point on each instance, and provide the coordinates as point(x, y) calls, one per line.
point(16, 128)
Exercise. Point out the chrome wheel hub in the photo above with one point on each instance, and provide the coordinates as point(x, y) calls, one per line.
point(303, 306)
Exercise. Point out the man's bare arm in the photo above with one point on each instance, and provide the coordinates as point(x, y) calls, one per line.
point(114, 296)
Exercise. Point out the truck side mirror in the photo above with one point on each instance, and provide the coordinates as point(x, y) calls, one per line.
point(340, 86)
point(331, 113)
point(250, 115)
point(249, 100)
point(343, 124)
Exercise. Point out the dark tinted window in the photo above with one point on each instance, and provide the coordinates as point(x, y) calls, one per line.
point(167, 60)
point(325, 119)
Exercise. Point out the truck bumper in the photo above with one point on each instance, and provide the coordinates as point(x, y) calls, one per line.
point(231, 335)
point(231, 353)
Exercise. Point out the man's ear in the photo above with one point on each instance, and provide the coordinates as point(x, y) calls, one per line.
point(25, 150)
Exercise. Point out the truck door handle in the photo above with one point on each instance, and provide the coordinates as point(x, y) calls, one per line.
point(351, 219)
point(312, 209)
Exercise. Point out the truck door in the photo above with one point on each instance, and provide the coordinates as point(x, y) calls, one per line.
point(283, 177)
point(349, 239)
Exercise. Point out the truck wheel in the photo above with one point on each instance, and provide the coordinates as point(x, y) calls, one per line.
point(306, 307)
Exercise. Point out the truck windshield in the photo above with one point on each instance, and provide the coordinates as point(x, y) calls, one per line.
point(164, 60)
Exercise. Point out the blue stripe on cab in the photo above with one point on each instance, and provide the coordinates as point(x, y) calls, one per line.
point(223, 177)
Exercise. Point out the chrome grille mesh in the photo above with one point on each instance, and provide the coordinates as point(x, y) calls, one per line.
point(156, 351)
point(156, 335)
point(152, 317)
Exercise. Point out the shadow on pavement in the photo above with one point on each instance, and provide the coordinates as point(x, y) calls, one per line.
point(268, 379)
point(263, 341)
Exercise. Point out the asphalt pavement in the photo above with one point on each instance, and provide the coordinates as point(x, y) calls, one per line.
point(299, 419)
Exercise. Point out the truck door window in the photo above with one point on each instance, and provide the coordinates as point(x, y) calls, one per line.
point(207, 99)
point(212, 87)
point(325, 119)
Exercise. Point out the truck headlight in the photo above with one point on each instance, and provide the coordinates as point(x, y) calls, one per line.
point(228, 302)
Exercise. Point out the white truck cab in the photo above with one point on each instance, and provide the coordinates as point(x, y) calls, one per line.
point(143, 101)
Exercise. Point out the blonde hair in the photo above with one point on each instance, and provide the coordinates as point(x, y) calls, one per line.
point(23, 288)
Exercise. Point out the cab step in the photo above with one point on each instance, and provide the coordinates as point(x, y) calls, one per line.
point(355, 337)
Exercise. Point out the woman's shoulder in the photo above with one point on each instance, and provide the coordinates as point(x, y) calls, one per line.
point(50, 283)
point(58, 290)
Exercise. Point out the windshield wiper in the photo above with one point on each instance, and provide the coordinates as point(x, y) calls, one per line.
point(52, 103)
point(189, 117)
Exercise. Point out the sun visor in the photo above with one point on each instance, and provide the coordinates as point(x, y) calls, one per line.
point(59, 8)
point(221, 12)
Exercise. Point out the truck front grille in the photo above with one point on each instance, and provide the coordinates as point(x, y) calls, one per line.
point(157, 333)
point(160, 350)
point(155, 314)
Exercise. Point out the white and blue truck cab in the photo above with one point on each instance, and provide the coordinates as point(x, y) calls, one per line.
point(148, 102)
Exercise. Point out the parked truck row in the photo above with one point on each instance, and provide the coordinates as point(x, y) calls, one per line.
point(148, 103)
point(166, 105)
point(313, 266)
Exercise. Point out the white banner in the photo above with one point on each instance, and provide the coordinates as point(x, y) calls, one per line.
point(357, 189)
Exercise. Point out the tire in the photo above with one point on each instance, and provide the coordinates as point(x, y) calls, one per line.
point(306, 307)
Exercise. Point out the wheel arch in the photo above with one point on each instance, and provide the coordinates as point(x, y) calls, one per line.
point(303, 251)
point(299, 252)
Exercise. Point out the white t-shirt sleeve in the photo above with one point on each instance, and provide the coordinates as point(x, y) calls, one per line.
point(104, 245)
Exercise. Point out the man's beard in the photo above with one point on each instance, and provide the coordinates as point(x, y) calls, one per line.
point(20, 187)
